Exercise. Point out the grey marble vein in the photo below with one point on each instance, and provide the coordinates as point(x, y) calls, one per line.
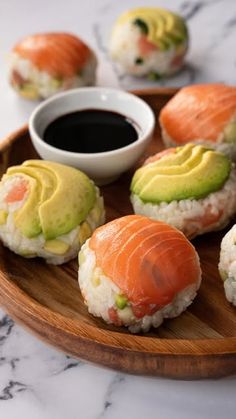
point(36, 380)
point(98, 38)
point(6, 325)
point(69, 363)
point(116, 381)
point(229, 27)
point(11, 389)
point(11, 361)
point(189, 9)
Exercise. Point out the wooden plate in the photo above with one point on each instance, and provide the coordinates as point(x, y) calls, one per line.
point(46, 299)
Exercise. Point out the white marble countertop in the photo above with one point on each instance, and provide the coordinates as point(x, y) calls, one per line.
point(36, 381)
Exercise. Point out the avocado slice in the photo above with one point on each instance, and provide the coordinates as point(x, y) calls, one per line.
point(29, 91)
point(161, 27)
point(177, 158)
point(70, 202)
point(84, 232)
point(208, 174)
point(60, 198)
point(41, 184)
point(57, 247)
point(3, 216)
point(175, 169)
point(27, 218)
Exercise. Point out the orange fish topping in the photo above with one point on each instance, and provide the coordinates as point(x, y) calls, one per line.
point(59, 54)
point(150, 261)
point(199, 112)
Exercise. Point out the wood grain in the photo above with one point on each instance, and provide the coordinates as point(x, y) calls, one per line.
point(46, 299)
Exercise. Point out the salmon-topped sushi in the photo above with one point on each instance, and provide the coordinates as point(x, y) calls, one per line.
point(136, 272)
point(44, 64)
point(201, 113)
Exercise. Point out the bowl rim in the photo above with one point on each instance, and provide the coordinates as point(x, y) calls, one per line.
point(85, 156)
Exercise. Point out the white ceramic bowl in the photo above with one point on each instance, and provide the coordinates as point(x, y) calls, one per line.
point(106, 166)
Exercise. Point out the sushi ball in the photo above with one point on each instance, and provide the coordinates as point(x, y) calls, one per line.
point(135, 272)
point(227, 264)
point(203, 114)
point(149, 42)
point(47, 63)
point(191, 187)
point(48, 210)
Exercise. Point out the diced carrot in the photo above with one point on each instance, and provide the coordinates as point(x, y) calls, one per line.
point(114, 316)
point(17, 79)
point(178, 60)
point(18, 192)
point(159, 155)
point(140, 310)
point(208, 218)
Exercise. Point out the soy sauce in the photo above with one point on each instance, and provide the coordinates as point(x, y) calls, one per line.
point(90, 131)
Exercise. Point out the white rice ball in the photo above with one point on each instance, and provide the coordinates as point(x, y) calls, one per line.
point(194, 216)
point(222, 145)
point(144, 43)
point(100, 295)
point(12, 237)
point(43, 64)
point(31, 83)
point(227, 264)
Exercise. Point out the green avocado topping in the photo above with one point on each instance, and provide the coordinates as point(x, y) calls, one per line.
point(154, 76)
point(59, 198)
point(188, 172)
point(121, 301)
point(161, 27)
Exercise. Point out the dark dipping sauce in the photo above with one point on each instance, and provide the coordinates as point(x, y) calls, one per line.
point(90, 131)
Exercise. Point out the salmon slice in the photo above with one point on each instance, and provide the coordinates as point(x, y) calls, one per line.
point(150, 261)
point(18, 192)
point(145, 46)
point(59, 54)
point(159, 155)
point(199, 112)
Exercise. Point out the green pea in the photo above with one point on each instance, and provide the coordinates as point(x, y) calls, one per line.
point(121, 301)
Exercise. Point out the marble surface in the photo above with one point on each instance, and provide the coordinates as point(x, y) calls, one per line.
point(36, 381)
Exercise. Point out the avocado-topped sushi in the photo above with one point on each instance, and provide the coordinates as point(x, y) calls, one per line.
point(47, 63)
point(150, 42)
point(227, 264)
point(205, 114)
point(192, 188)
point(135, 272)
point(48, 209)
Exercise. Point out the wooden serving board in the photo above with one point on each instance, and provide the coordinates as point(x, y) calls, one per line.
point(46, 299)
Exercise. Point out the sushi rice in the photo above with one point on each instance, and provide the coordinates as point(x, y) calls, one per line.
point(12, 237)
point(189, 215)
point(100, 295)
point(227, 264)
point(224, 146)
point(40, 84)
point(124, 49)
